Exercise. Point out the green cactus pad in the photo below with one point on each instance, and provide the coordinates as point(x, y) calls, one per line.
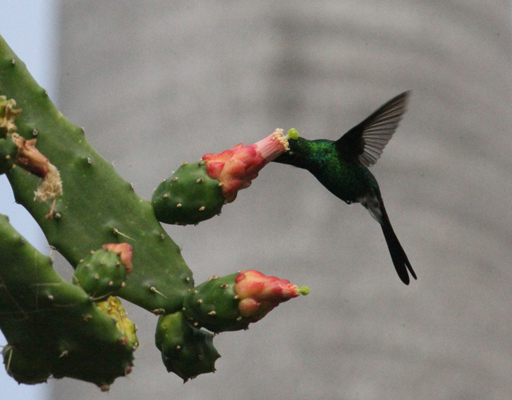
point(52, 326)
point(8, 151)
point(189, 196)
point(100, 274)
point(186, 350)
point(97, 205)
point(26, 367)
point(213, 305)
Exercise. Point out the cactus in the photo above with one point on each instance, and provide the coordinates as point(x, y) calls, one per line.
point(187, 351)
point(197, 191)
point(52, 326)
point(114, 240)
point(189, 196)
point(103, 273)
point(232, 302)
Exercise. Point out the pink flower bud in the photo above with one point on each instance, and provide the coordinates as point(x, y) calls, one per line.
point(237, 167)
point(259, 294)
point(124, 251)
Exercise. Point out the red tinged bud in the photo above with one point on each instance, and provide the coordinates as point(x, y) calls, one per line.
point(124, 251)
point(259, 294)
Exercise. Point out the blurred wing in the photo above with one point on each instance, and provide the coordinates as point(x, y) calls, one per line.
point(367, 140)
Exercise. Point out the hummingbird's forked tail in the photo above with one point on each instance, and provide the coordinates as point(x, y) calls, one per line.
point(400, 260)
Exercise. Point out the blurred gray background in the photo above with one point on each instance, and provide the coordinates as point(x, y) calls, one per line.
point(158, 83)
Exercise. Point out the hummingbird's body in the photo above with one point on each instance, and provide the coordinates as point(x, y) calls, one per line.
point(342, 167)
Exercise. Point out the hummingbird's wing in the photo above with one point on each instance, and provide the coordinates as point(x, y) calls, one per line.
point(367, 140)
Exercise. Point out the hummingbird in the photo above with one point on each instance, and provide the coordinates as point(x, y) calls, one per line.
point(342, 167)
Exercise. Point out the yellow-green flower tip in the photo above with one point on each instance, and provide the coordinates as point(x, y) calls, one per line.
point(293, 134)
point(304, 290)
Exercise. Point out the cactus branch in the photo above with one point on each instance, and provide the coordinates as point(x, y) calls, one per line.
point(114, 241)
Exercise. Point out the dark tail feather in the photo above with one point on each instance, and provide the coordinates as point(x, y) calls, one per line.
point(400, 260)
